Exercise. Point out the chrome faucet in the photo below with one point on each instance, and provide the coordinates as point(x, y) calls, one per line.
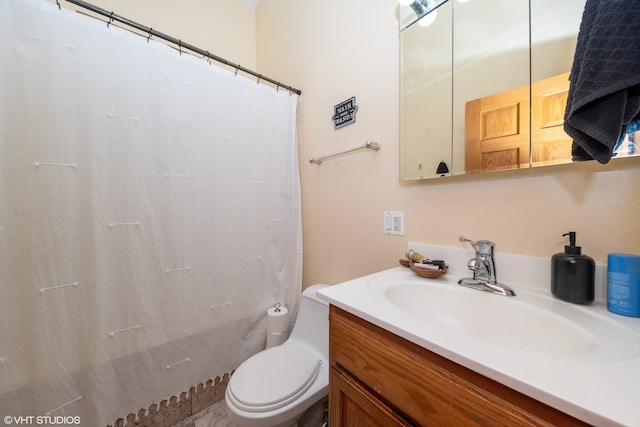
point(484, 269)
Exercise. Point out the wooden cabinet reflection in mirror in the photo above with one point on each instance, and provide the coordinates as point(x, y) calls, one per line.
point(497, 127)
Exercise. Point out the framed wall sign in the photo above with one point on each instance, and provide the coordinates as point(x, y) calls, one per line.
point(344, 113)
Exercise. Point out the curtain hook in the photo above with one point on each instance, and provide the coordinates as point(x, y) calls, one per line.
point(149, 34)
point(180, 46)
point(110, 19)
point(259, 77)
point(208, 57)
point(278, 87)
point(237, 67)
point(58, 3)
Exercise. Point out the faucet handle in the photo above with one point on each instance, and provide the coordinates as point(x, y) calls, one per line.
point(464, 239)
point(482, 247)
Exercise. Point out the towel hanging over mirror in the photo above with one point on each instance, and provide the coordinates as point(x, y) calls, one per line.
point(604, 91)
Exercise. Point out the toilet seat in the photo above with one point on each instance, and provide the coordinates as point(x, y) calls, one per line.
point(273, 378)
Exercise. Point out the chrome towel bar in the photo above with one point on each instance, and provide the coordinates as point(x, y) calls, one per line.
point(370, 145)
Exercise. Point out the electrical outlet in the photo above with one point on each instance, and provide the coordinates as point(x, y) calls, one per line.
point(393, 223)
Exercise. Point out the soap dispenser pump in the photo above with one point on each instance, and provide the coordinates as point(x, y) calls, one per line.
point(572, 274)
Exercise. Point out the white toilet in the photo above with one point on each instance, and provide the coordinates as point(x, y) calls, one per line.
point(275, 387)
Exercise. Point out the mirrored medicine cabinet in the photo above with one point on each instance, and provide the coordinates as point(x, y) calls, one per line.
point(483, 87)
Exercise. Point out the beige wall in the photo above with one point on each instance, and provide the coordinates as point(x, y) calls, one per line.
point(336, 49)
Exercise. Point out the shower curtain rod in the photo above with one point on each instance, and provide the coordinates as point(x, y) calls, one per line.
point(181, 45)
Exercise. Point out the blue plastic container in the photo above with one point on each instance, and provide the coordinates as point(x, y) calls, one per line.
point(623, 284)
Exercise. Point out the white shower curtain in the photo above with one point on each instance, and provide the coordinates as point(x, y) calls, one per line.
point(149, 216)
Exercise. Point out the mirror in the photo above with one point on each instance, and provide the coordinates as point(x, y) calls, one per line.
point(483, 87)
point(426, 83)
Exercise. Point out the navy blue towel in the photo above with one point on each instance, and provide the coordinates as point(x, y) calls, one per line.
point(604, 89)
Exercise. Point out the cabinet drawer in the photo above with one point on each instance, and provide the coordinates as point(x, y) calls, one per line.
point(429, 389)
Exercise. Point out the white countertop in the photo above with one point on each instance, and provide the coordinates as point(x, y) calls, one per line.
point(603, 391)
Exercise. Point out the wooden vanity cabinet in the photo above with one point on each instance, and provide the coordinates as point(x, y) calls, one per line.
point(380, 379)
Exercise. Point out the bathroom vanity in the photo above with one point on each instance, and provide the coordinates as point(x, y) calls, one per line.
point(379, 378)
point(406, 350)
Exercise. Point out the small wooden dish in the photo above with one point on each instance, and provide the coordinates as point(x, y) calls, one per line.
point(430, 274)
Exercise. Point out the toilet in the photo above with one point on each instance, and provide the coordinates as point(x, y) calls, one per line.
point(281, 385)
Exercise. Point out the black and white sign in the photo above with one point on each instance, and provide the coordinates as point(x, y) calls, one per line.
point(345, 113)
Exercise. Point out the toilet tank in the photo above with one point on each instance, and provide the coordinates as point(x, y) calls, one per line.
point(312, 324)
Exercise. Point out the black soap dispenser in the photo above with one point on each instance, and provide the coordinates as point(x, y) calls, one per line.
point(572, 274)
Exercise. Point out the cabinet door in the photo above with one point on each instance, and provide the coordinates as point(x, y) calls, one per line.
point(354, 406)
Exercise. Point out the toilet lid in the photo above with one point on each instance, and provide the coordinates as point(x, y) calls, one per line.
point(273, 378)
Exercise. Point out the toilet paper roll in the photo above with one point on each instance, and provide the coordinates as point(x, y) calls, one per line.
point(277, 319)
point(277, 325)
point(276, 338)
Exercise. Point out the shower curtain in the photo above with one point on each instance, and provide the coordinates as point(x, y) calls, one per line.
point(149, 216)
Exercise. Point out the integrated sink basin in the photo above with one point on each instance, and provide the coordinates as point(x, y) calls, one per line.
point(529, 321)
